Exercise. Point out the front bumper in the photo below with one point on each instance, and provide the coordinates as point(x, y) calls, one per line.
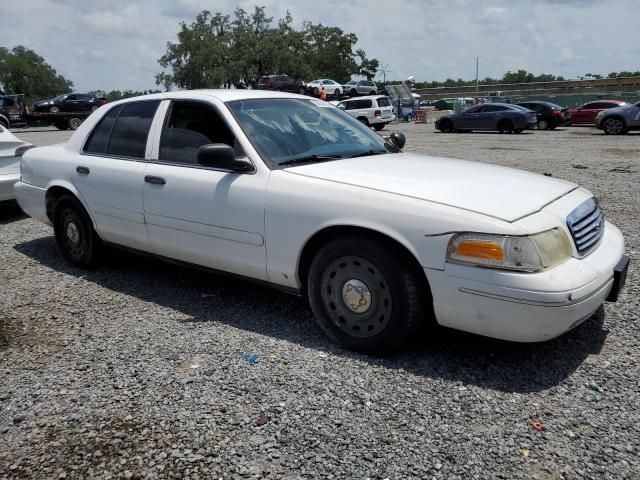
point(529, 307)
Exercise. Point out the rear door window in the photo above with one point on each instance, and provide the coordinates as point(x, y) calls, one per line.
point(99, 138)
point(123, 131)
point(129, 135)
point(384, 102)
point(494, 108)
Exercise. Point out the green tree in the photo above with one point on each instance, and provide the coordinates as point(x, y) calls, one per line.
point(219, 51)
point(23, 71)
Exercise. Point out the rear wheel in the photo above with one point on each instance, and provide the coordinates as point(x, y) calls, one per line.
point(353, 92)
point(518, 130)
point(378, 126)
point(372, 92)
point(505, 126)
point(543, 124)
point(614, 126)
point(74, 233)
point(61, 124)
point(74, 123)
point(446, 126)
point(364, 120)
point(336, 92)
point(365, 295)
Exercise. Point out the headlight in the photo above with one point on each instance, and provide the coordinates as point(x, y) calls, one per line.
point(528, 254)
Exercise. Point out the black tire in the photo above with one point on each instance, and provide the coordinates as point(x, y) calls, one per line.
point(74, 123)
point(302, 91)
point(379, 126)
point(446, 126)
point(316, 91)
point(61, 124)
point(614, 126)
point(397, 295)
point(518, 130)
point(543, 124)
point(505, 126)
point(336, 93)
point(94, 108)
point(353, 92)
point(4, 123)
point(364, 120)
point(76, 238)
point(372, 92)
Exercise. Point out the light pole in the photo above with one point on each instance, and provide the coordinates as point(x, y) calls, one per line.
point(477, 79)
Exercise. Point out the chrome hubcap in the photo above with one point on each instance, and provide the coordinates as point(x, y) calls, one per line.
point(356, 296)
point(73, 234)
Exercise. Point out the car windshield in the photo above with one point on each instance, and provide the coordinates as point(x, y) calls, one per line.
point(352, 82)
point(58, 98)
point(288, 130)
point(553, 106)
point(520, 107)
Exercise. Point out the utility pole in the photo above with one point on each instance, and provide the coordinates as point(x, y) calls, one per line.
point(477, 79)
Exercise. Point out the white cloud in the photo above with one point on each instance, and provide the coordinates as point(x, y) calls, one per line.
point(110, 44)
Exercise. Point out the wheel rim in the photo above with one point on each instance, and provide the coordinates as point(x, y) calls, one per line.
point(55, 109)
point(614, 126)
point(72, 234)
point(74, 123)
point(356, 296)
point(542, 125)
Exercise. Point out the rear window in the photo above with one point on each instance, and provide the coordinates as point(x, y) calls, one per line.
point(123, 130)
point(263, 80)
point(384, 102)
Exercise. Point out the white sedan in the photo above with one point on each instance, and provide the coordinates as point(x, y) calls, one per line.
point(292, 192)
point(331, 87)
point(11, 149)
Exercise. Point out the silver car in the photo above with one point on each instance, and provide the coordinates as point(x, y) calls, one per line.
point(619, 120)
point(360, 87)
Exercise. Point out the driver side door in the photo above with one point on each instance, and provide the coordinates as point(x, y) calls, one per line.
point(197, 214)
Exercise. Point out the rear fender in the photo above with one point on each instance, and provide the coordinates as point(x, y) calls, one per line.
point(71, 188)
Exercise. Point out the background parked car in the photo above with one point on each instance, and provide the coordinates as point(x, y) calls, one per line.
point(11, 149)
point(375, 111)
point(70, 102)
point(549, 114)
point(331, 87)
point(360, 87)
point(504, 117)
point(282, 83)
point(619, 120)
point(586, 114)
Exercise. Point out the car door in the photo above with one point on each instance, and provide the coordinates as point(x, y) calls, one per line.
point(69, 103)
point(469, 119)
point(200, 215)
point(109, 173)
point(586, 113)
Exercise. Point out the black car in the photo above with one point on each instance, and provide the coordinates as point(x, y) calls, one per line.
point(549, 114)
point(282, 83)
point(504, 117)
point(69, 102)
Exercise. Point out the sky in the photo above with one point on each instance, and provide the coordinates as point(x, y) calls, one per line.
point(115, 44)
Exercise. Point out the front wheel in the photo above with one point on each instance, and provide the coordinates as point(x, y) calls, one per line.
point(365, 296)
point(614, 126)
point(55, 109)
point(74, 233)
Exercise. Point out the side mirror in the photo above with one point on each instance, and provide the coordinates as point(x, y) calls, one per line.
point(222, 156)
point(398, 140)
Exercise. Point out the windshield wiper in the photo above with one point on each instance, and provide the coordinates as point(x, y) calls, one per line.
point(310, 159)
point(368, 153)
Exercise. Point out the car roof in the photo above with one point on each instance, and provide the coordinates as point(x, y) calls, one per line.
point(224, 95)
point(366, 97)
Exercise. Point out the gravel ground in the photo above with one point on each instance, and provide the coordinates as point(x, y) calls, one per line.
point(136, 369)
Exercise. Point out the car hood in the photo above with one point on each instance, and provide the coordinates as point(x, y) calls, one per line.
point(500, 192)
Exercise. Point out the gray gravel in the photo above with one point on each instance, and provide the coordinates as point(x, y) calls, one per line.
point(136, 369)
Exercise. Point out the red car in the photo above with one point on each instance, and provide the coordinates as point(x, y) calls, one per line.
point(586, 114)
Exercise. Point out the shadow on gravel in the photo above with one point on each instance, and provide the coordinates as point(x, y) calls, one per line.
point(444, 354)
point(10, 212)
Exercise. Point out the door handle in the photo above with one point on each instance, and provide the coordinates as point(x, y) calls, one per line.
point(82, 170)
point(154, 180)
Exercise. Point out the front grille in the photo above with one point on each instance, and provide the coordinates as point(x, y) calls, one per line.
point(586, 224)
